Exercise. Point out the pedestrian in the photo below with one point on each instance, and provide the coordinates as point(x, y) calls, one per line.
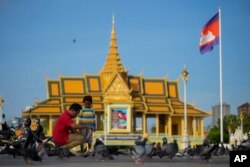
point(206, 141)
point(6, 132)
point(29, 147)
point(30, 137)
point(4, 123)
point(38, 129)
point(87, 118)
point(66, 133)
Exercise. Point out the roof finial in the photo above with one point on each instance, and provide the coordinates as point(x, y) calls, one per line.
point(113, 19)
point(113, 60)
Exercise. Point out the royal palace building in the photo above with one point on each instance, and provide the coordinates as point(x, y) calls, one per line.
point(127, 106)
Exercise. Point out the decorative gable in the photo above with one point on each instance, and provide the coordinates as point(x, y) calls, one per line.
point(117, 90)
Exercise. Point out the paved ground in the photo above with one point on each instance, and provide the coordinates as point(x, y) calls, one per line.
point(119, 161)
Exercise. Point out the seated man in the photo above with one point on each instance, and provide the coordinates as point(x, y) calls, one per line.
point(64, 125)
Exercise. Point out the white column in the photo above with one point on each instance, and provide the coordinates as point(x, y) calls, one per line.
point(169, 125)
point(106, 124)
point(221, 101)
point(194, 126)
point(50, 125)
point(157, 124)
point(185, 139)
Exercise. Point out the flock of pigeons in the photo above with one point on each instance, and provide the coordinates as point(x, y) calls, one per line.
point(16, 148)
point(147, 150)
point(139, 152)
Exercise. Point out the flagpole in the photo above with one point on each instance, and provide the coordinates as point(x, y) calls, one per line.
point(220, 50)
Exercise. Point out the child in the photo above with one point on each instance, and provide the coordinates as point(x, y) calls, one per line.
point(87, 118)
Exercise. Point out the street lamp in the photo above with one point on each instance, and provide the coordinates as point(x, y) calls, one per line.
point(185, 140)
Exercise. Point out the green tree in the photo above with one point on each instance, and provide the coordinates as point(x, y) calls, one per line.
point(214, 135)
point(230, 123)
point(246, 124)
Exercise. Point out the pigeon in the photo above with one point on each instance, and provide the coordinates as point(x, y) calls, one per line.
point(158, 150)
point(150, 150)
point(101, 152)
point(7, 134)
point(221, 150)
point(170, 149)
point(227, 151)
point(40, 147)
point(245, 145)
point(10, 147)
point(139, 150)
point(115, 151)
point(206, 152)
point(16, 148)
point(164, 140)
point(188, 152)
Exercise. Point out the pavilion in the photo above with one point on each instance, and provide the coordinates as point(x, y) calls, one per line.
point(137, 105)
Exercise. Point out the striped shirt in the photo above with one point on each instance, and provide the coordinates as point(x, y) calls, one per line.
point(87, 117)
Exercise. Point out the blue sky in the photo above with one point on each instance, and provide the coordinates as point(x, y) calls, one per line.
point(156, 37)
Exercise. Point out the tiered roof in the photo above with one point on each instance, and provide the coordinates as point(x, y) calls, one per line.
point(149, 95)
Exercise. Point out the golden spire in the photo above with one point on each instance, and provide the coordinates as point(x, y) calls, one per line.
point(113, 60)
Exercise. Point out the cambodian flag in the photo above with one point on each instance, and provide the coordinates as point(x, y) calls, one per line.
point(210, 34)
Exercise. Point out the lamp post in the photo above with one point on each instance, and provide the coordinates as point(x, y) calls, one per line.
point(185, 140)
